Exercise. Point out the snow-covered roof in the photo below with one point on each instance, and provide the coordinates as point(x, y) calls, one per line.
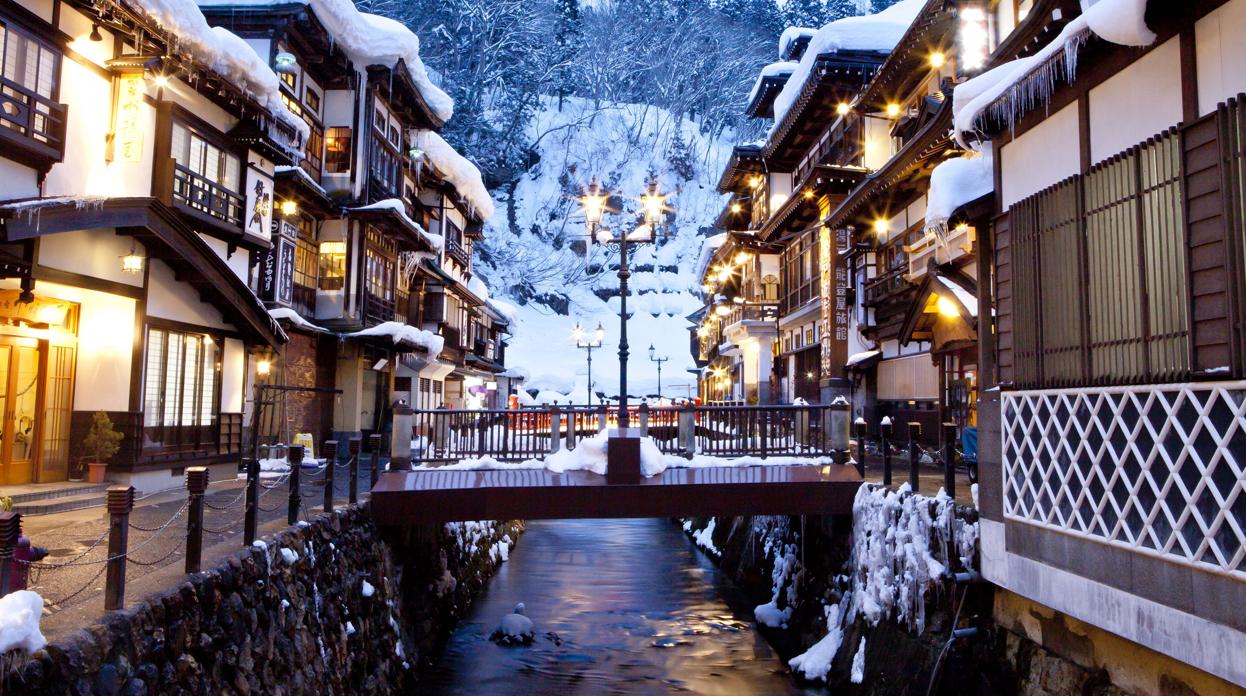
point(302, 175)
point(458, 171)
point(791, 35)
point(226, 54)
point(876, 32)
point(780, 69)
point(294, 318)
point(711, 244)
point(397, 206)
point(858, 358)
point(1008, 90)
point(477, 287)
point(369, 40)
point(505, 308)
point(955, 182)
point(403, 333)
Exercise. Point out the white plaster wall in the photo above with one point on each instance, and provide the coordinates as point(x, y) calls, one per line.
point(78, 27)
point(96, 253)
point(877, 137)
point(1041, 156)
point(780, 189)
point(17, 181)
point(169, 299)
point(1220, 55)
point(233, 375)
point(1137, 102)
point(43, 8)
point(184, 95)
point(238, 262)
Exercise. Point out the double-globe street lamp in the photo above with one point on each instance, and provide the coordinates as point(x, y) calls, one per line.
point(585, 341)
point(653, 206)
point(653, 357)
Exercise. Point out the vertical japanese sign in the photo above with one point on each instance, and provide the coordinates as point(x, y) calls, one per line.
point(259, 211)
point(128, 130)
point(832, 249)
point(277, 272)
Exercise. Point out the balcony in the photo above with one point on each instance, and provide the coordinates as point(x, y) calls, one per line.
point(959, 243)
point(385, 168)
point(766, 312)
point(206, 197)
point(456, 251)
point(887, 287)
point(377, 309)
point(32, 127)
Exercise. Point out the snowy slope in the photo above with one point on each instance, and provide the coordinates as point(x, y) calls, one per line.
point(533, 254)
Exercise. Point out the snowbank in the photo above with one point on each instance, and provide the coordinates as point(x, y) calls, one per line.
point(876, 32)
point(457, 170)
point(19, 622)
point(590, 455)
point(954, 183)
point(401, 332)
point(1005, 92)
point(225, 53)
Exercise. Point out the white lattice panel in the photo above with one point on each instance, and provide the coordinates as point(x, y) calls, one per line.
point(1159, 469)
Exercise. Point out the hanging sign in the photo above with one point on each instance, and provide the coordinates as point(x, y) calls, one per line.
point(277, 273)
point(128, 133)
point(259, 211)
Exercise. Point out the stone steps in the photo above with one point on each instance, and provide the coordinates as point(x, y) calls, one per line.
point(59, 499)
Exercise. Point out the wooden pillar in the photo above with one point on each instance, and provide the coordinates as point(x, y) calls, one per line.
point(253, 501)
point(120, 503)
point(10, 530)
point(196, 486)
point(294, 457)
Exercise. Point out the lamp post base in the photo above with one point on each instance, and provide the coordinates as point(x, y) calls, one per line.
point(623, 457)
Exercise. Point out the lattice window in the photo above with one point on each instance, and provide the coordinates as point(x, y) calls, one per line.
point(1160, 470)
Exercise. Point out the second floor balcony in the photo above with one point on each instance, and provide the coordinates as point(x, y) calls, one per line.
point(32, 127)
point(206, 197)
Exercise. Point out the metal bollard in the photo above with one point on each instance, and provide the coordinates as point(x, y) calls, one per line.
point(330, 468)
point(860, 428)
point(10, 530)
point(949, 459)
point(884, 436)
point(294, 457)
point(374, 441)
point(120, 503)
point(915, 431)
point(253, 502)
point(196, 485)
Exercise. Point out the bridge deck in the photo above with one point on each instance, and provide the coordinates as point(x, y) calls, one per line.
point(436, 496)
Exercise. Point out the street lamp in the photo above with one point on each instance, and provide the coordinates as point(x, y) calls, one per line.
point(654, 358)
point(653, 208)
point(583, 340)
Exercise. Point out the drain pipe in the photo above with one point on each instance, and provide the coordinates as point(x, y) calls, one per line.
point(966, 578)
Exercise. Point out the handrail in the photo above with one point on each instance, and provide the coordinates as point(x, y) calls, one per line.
point(35, 117)
point(200, 193)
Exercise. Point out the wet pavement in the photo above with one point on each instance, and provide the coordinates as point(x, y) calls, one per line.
point(620, 607)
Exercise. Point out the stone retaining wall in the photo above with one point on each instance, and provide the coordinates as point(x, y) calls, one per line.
point(328, 607)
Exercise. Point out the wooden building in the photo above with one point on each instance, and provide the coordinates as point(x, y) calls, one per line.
point(1113, 444)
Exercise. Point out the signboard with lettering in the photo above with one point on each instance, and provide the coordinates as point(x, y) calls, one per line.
point(277, 273)
point(128, 125)
point(832, 252)
point(258, 215)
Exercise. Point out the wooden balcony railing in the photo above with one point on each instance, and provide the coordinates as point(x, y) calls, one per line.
point(377, 309)
point(208, 197)
point(457, 252)
point(32, 123)
point(385, 166)
point(887, 286)
point(752, 311)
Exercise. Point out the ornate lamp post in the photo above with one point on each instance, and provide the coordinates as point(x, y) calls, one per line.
point(584, 341)
point(654, 358)
point(653, 206)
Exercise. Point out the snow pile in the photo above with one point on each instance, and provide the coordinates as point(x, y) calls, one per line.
point(876, 32)
point(367, 589)
point(19, 622)
point(858, 664)
point(705, 537)
point(1005, 92)
point(460, 173)
point(274, 464)
point(956, 182)
point(401, 333)
point(288, 555)
point(783, 68)
point(396, 205)
point(785, 575)
point(590, 455)
point(293, 317)
point(226, 54)
point(903, 544)
point(507, 309)
point(515, 628)
point(477, 287)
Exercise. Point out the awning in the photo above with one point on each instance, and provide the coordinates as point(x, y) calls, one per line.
point(166, 237)
point(863, 360)
point(390, 215)
point(953, 287)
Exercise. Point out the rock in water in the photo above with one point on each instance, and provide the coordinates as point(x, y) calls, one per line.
point(515, 629)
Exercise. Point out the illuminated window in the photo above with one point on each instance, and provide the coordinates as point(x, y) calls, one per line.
point(181, 385)
point(337, 149)
point(28, 62)
point(332, 265)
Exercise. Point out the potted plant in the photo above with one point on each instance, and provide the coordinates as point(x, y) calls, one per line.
point(101, 443)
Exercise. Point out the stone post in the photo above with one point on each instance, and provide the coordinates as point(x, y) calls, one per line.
point(196, 486)
point(601, 418)
point(644, 419)
point(330, 468)
point(860, 428)
point(120, 503)
point(294, 456)
point(374, 442)
point(949, 459)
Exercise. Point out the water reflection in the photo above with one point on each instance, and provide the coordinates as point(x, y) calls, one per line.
point(621, 607)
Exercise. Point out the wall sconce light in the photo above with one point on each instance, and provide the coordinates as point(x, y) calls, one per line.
point(881, 227)
point(263, 367)
point(95, 33)
point(937, 59)
point(285, 62)
point(842, 109)
point(893, 110)
point(289, 208)
point(132, 262)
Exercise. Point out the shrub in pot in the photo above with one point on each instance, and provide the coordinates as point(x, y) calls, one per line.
point(101, 444)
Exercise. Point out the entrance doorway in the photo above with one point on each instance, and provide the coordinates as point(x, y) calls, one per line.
point(21, 398)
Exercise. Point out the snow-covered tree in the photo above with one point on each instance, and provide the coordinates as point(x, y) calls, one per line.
point(568, 42)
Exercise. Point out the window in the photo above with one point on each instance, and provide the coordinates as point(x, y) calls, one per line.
point(312, 99)
point(290, 80)
point(337, 149)
point(380, 275)
point(28, 63)
point(180, 394)
point(206, 177)
point(332, 265)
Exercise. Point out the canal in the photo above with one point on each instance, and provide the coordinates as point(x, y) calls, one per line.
point(620, 607)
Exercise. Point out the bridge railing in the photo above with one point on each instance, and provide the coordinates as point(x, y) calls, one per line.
point(444, 435)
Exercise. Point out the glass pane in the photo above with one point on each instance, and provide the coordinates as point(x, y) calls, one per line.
point(55, 464)
point(207, 398)
point(5, 352)
point(172, 379)
point(152, 409)
point(24, 401)
point(191, 367)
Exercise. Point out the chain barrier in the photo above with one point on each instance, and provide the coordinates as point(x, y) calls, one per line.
point(61, 602)
point(176, 547)
point(161, 528)
point(227, 506)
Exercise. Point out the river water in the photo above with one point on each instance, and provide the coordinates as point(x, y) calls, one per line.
point(620, 607)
